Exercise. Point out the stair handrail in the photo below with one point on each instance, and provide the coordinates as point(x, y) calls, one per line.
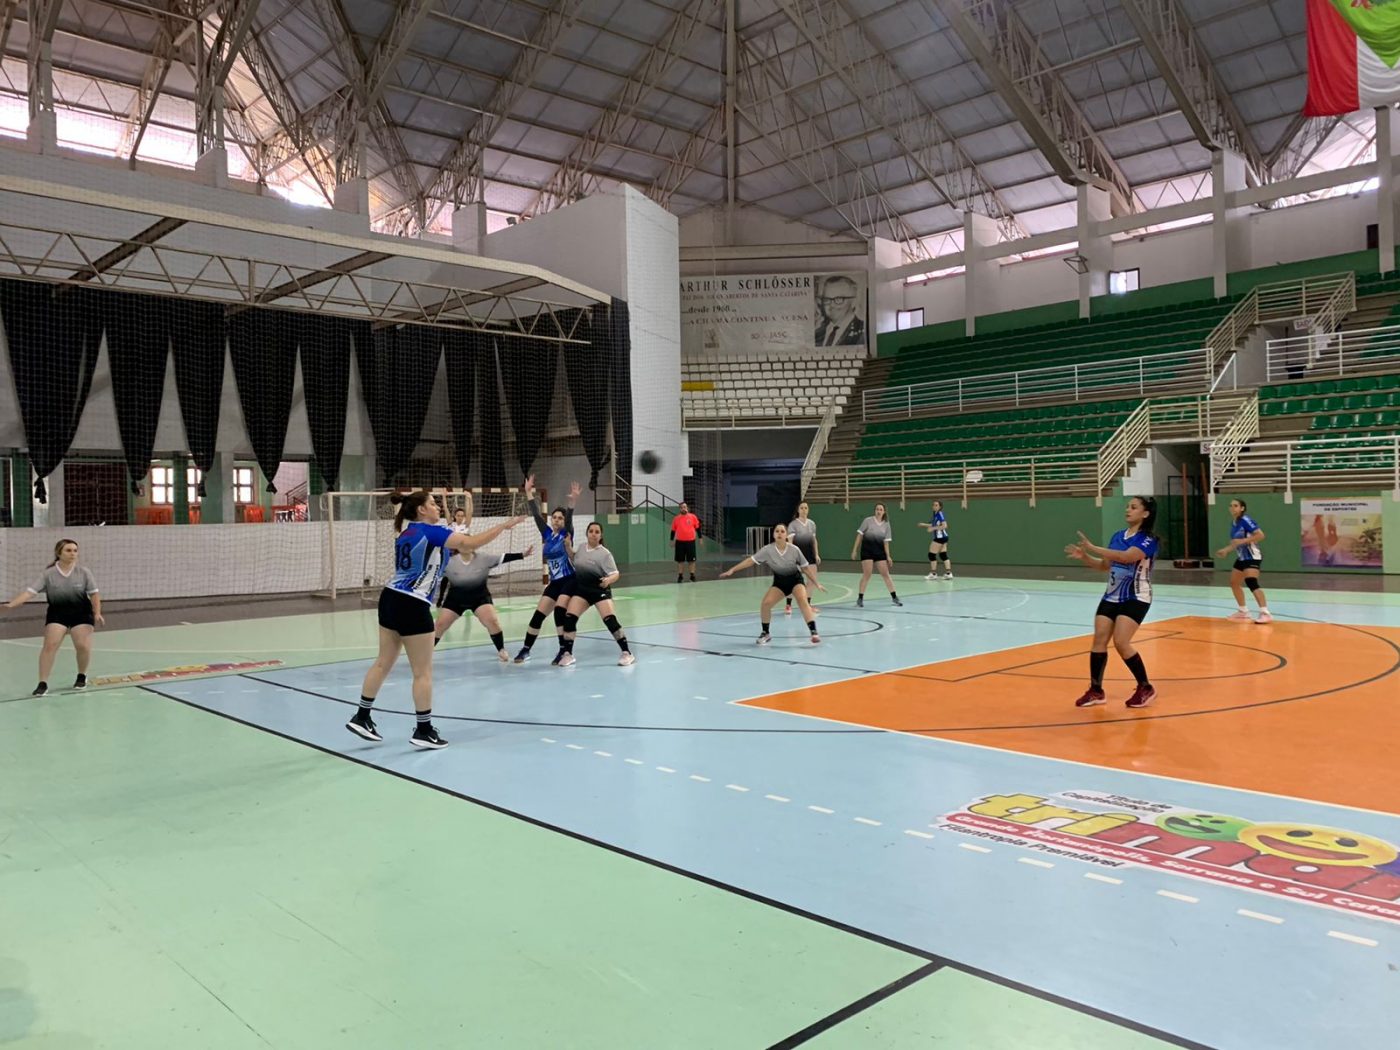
point(1239, 432)
point(818, 446)
point(1338, 305)
point(1299, 299)
point(1115, 453)
point(1225, 336)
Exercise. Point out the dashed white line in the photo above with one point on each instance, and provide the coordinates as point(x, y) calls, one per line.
point(1034, 863)
point(1103, 878)
point(634, 761)
point(700, 698)
point(1366, 941)
point(820, 809)
point(1179, 897)
point(574, 747)
point(1260, 916)
point(664, 769)
point(547, 740)
point(596, 696)
point(777, 798)
point(867, 820)
point(917, 834)
point(736, 787)
point(697, 776)
point(974, 848)
point(603, 754)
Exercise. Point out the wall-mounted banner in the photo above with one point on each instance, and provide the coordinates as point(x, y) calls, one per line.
point(765, 312)
point(1341, 534)
point(1275, 855)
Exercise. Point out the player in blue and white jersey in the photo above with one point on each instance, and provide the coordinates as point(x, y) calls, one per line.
point(421, 549)
point(1245, 537)
point(1128, 561)
point(556, 534)
point(937, 527)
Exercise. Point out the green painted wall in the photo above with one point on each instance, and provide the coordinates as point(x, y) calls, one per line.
point(1283, 525)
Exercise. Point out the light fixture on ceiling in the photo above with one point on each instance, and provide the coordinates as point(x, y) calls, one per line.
point(1078, 263)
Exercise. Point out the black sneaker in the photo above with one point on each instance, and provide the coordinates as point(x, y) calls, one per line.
point(896, 601)
point(522, 656)
point(680, 578)
point(692, 577)
point(558, 658)
point(362, 725)
point(40, 689)
point(425, 736)
point(80, 682)
point(860, 601)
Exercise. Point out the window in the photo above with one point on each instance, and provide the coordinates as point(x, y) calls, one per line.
point(163, 485)
point(1120, 281)
point(909, 319)
point(193, 476)
point(242, 484)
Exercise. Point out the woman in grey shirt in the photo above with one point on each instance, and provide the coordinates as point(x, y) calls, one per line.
point(595, 571)
point(788, 565)
point(802, 533)
point(465, 590)
point(74, 609)
point(873, 546)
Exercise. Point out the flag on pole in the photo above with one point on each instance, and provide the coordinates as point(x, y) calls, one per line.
point(1353, 51)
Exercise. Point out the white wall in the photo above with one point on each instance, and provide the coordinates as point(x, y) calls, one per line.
point(1311, 231)
point(1166, 258)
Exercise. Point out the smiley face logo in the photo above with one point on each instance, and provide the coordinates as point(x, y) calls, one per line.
point(1313, 845)
point(1209, 827)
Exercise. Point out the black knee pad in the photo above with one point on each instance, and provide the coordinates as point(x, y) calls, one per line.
point(611, 623)
point(570, 623)
point(942, 555)
point(1252, 582)
point(537, 621)
point(559, 616)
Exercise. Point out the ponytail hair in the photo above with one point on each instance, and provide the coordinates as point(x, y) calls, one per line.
point(408, 504)
point(58, 549)
point(1149, 523)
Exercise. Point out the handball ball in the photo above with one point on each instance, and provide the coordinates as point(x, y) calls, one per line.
point(649, 461)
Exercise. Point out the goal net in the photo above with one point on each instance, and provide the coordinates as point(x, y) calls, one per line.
point(359, 537)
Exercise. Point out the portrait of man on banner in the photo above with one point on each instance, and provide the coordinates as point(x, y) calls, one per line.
point(840, 304)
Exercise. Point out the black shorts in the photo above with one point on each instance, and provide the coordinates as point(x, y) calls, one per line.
point(1248, 563)
point(685, 550)
point(940, 539)
point(404, 614)
point(463, 600)
point(592, 593)
point(1132, 609)
point(872, 550)
point(808, 547)
point(70, 616)
point(561, 589)
point(787, 584)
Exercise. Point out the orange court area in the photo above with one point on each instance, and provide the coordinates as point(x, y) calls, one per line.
point(1302, 709)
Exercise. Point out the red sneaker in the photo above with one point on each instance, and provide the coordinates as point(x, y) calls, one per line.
point(1142, 696)
point(1092, 698)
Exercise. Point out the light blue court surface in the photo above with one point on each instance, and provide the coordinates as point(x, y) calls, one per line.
point(845, 824)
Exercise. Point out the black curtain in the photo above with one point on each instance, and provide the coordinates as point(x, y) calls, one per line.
point(324, 344)
point(138, 343)
point(586, 371)
point(617, 339)
point(488, 393)
point(462, 350)
point(405, 363)
point(198, 343)
point(528, 367)
point(263, 348)
point(54, 335)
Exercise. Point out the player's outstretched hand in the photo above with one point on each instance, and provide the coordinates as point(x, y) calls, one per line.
point(1073, 550)
point(575, 490)
point(514, 522)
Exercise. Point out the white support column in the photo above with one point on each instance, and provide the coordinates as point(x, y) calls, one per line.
point(212, 167)
point(979, 282)
point(469, 227)
point(352, 196)
point(1229, 226)
point(1385, 188)
point(1093, 207)
point(886, 297)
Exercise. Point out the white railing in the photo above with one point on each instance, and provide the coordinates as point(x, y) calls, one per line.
point(1095, 381)
point(1313, 463)
point(1305, 299)
point(735, 416)
point(1064, 474)
point(1195, 418)
point(1118, 451)
point(1338, 305)
point(1225, 450)
point(819, 442)
point(1333, 354)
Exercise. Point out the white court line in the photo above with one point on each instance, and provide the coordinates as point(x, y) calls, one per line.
point(700, 698)
point(867, 820)
point(1103, 878)
point(1034, 863)
point(975, 849)
point(1366, 941)
point(664, 769)
point(777, 798)
point(1179, 897)
point(1260, 916)
point(574, 747)
point(698, 777)
point(634, 761)
point(736, 787)
point(603, 754)
point(595, 696)
point(917, 834)
point(820, 809)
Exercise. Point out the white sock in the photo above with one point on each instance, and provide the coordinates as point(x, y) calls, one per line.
point(1265, 610)
point(1243, 609)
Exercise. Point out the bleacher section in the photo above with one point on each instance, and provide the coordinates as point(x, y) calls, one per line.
point(767, 389)
point(1128, 335)
point(1072, 431)
point(1336, 407)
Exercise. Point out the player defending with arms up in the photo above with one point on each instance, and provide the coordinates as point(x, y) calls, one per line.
point(788, 565)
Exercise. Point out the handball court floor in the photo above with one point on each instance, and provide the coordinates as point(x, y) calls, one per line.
point(906, 836)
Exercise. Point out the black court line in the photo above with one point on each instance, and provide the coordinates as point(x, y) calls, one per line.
point(848, 1011)
point(719, 884)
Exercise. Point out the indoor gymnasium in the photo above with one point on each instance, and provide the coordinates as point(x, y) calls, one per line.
point(699, 524)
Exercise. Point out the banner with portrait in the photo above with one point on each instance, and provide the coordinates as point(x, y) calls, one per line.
point(1341, 534)
point(765, 312)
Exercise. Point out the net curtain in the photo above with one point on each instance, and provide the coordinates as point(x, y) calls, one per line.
point(262, 346)
point(616, 344)
point(586, 370)
point(198, 345)
point(462, 351)
point(54, 335)
point(325, 347)
point(405, 363)
point(528, 367)
point(138, 343)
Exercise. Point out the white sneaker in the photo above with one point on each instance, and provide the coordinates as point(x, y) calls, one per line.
point(567, 660)
point(1264, 618)
point(764, 639)
point(502, 656)
point(1238, 614)
point(949, 576)
point(626, 660)
point(931, 576)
